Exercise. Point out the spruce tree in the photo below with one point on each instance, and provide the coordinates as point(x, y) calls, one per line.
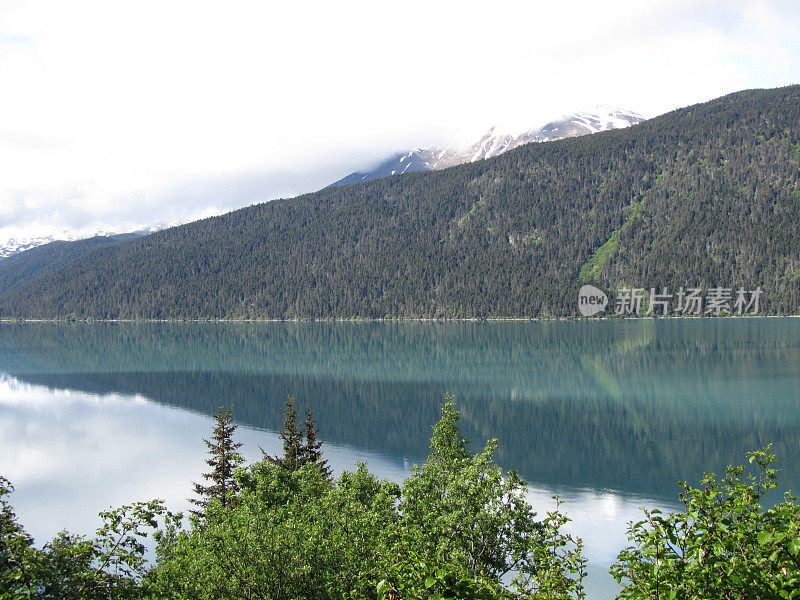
point(223, 461)
point(296, 453)
point(312, 451)
point(292, 439)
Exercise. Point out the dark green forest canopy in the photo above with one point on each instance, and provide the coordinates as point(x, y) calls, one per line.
point(703, 196)
point(29, 265)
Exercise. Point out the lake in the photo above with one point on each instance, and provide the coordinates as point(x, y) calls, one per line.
point(607, 414)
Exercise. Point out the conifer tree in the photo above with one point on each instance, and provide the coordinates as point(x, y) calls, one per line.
point(296, 453)
point(223, 460)
point(292, 439)
point(312, 451)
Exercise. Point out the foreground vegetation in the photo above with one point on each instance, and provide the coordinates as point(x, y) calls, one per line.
point(459, 527)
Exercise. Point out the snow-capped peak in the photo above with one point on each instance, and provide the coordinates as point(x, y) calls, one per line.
point(15, 245)
point(497, 140)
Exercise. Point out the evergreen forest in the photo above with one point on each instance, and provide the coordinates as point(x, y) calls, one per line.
point(705, 196)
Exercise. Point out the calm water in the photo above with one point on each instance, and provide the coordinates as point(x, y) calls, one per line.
point(607, 414)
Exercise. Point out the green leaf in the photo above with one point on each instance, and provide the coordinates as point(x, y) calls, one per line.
point(383, 587)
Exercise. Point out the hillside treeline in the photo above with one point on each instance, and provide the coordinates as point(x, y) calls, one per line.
point(703, 196)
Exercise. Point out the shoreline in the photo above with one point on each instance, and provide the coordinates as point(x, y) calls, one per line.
point(12, 320)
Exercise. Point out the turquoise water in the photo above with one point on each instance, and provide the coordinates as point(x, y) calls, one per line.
point(607, 414)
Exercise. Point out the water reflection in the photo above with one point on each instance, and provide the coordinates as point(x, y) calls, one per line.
point(71, 454)
point(608, 414)
point(629, 406)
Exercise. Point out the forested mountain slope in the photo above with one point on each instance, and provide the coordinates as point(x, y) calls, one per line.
point(707, 195)
point(29, 265)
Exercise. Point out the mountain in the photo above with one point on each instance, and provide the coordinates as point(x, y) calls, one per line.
point(493, 143)
point(14, 246)
point(707, 195)
point(26, 266)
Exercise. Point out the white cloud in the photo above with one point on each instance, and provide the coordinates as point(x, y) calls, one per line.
point(118, 114)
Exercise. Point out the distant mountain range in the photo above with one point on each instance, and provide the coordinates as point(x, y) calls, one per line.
point(494, 143)
point(706, 196)
point(14, 246)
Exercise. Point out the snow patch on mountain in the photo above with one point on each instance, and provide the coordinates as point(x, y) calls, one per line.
point(13, 246)
point(496, 141)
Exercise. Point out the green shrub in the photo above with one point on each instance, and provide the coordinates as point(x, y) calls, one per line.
point(456, 529)
point(724, 544)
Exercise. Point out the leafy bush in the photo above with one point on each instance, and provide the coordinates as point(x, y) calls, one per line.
point(462, 511)
point(724, 544)
point(290, 534)
point(73, 567)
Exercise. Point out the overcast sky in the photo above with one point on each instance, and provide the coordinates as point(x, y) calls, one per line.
point(120, 115)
